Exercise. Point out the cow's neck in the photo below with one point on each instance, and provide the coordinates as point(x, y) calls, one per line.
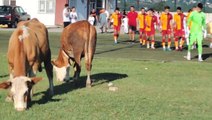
point(62, 60)
point(20, 59)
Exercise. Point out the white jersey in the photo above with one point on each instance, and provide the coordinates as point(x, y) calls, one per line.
point(107, 13)
point(66, 15)
point(73, 17)
point(125, 24)
point(91, 20)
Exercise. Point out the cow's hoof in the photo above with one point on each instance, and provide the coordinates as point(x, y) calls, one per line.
point(8, 99)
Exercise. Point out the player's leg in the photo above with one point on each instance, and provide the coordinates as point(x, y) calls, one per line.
point(182, 42)
point(211, 40)
point(115, 35)
point(141, 36)
point(148, 38)
point(163, 40)
point(199, 43)
point(118, 31)
point(130, 32)
point(169, 42)
point(192, 39)
point(176, 38)
point(153, 41)
point(133, 33)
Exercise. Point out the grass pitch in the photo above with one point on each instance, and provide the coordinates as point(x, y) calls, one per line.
point(152, 85)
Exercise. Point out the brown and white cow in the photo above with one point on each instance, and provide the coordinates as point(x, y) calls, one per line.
point(28, 48)
point(77, 40)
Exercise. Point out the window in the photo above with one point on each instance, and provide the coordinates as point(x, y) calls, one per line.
point(4, 9)
point(46, 6)
point(19, 10)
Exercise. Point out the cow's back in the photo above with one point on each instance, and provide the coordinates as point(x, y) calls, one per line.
point(75, 36)
point(41, 33)
point(23, 50)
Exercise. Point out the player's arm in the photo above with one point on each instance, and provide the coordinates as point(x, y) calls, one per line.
point(111, 17)
point(120, 17)
point(137, 19)
point(171, 23)
point(160, 24)
point(146, 22)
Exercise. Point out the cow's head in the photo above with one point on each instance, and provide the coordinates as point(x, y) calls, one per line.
point(20, 90)
point(62, 72)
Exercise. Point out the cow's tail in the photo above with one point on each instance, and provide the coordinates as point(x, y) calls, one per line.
point(91, 47)
point(92, 42)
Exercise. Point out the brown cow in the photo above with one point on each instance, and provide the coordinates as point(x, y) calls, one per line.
point(28, 48)
point(78, 40)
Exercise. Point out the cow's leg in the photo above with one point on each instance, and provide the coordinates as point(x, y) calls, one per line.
point(49, 72)
point(77, 70)
point(77, 67)
point(88, 64)
point(33, 71)
point(88, 81)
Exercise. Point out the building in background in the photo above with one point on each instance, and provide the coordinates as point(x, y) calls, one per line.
point(8, 2)
point(43, 10)
point(83, 7)
point(49, 12)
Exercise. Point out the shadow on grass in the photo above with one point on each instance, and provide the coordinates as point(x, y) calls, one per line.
point(158, 44)
point(116, 49)
point(205, 46)
point(3, 76)
point(205, 56)
point(64, 88)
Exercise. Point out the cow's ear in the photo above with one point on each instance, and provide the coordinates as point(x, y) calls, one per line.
point(5, 85)
point(35, 80)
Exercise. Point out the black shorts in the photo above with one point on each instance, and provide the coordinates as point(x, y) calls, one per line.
point(66, 24)
point(133, 28)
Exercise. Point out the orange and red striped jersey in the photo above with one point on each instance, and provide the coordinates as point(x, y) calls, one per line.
point(150, 22)
point(116, 19)
point(165, 20)
point(141, 20)
point(187, 19)
point(178, 19)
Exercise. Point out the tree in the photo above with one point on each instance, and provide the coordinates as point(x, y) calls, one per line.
point(159, 6)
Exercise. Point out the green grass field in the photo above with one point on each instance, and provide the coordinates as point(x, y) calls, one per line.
point(152, 85)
